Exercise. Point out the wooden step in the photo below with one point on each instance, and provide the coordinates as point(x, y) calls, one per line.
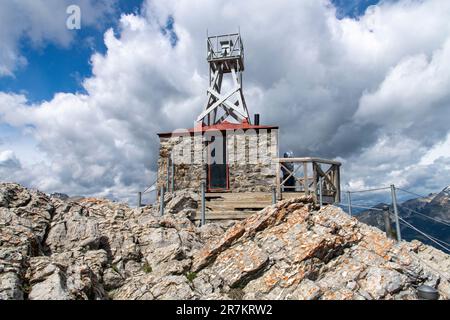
point(232, 194)
point(241, 199)
point(224, 215)
point(237, 204)
point(233, 205)
point(245, 196)
point(291, 195)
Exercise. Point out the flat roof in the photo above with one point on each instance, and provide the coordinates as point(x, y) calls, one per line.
point(223, 126)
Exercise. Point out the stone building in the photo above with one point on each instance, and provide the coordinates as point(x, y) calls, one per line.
point(228, 157)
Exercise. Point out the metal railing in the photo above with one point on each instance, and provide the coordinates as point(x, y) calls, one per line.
point(169, 184)
point(387, 220)
point(322, 183)
point(393, 214)
point(216, 51)
point(150, 189)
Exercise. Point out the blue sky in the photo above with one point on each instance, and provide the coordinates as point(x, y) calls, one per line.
point(352, 8)
point(53, 69)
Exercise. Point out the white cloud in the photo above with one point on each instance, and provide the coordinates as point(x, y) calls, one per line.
point(413, 98)
point(439, 150)
point(9, 160)
point(370, 91)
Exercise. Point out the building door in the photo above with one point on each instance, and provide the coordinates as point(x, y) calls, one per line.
point(217, 165)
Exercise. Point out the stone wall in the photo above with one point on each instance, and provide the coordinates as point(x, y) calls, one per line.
point(249, 156)
point(251, 167)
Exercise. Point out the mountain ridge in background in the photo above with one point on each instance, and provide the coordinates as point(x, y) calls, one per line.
point(435, 206)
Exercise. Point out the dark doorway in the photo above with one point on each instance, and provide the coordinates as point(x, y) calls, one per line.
point(217, 164)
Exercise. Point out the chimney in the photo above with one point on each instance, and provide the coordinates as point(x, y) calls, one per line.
point(257, 119)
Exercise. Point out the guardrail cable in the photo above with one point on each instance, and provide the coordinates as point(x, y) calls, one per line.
point(444, 222)
point(423, 233)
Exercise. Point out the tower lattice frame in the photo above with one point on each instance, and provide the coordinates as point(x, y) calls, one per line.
point(225, 56)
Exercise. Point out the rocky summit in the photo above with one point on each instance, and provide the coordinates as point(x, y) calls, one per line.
point(54, 247)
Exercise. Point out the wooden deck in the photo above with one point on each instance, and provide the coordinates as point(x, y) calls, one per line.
point(238, 206)
point(312, 176)
point(233, 206)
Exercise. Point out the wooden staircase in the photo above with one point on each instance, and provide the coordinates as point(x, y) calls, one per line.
point(233, 206)
point(236, 206)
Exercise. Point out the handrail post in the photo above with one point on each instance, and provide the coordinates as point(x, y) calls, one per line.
point(305, 178)
point(278, 182)
point(394, 204)
point(321, 192)
point(161, 200)
point(387, 222)
point(337, 183)
point(316, 176)
point(274, 195)
point(168, 174)
point(349, 201)
point(139, 202)
point(173, 173)
point(203, 215)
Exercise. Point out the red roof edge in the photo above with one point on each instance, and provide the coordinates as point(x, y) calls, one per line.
point(223, 126)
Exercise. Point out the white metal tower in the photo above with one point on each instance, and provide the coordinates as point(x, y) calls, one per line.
point(225, 56)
